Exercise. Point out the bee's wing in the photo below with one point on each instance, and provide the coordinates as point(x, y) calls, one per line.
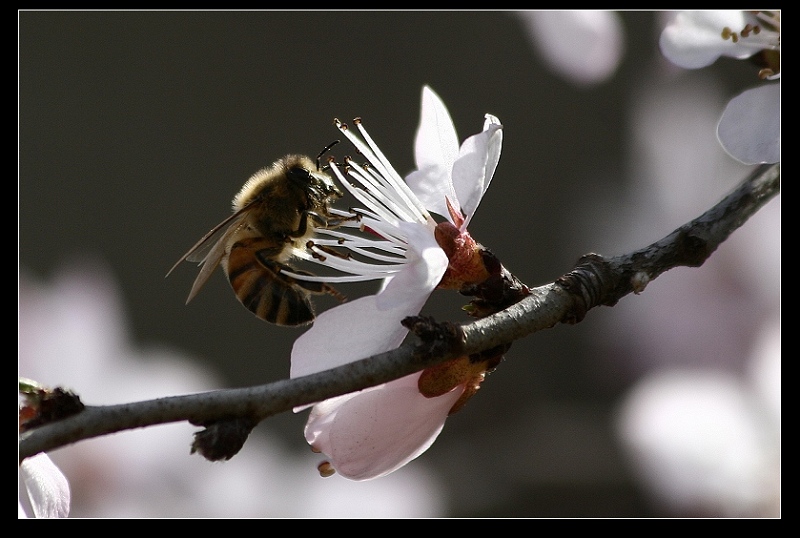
point(213, 253)
point(210, 249)
point(199, 252)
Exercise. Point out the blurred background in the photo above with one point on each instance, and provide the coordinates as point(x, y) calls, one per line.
point(137, 128)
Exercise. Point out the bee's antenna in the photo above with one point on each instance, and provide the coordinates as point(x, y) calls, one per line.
point(325, 150)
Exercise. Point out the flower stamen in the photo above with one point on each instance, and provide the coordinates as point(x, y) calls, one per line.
point(386, 173)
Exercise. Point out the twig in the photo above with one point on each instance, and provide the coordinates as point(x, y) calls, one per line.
point(595, 281)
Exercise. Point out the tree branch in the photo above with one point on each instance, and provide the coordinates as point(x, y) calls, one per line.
point(595, 281)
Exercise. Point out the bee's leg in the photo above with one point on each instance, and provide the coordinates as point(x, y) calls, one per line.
point(314, 248)
point(311, 287)
point(301, 229)
point(319, 221)
point(323, 221)
point(266, 255)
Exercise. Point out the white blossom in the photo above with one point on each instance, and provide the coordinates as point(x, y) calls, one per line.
point(378, 430)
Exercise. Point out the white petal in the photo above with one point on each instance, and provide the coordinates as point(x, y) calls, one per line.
point(432, 185)
point(436, 142)
point(750, 127)
point(371, 325)
point(584, 46)
point(477, 161)
point(376, 432)
point(435, 151)
point(48, 489)
point(694, 39)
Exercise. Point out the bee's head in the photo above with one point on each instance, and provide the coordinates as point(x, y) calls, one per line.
point(301, 172)
point(325, 184)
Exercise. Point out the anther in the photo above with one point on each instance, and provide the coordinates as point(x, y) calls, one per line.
point(326, 469)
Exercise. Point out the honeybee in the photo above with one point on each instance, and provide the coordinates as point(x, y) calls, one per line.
point(274, 214)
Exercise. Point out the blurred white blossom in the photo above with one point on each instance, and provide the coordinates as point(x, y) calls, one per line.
point(707, 442)
point(584, 46)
